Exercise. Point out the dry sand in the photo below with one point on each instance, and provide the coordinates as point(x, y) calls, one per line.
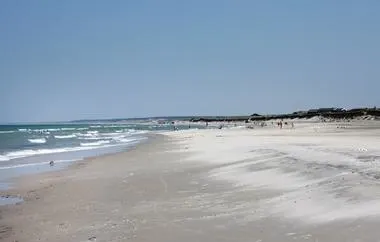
point(313, 183)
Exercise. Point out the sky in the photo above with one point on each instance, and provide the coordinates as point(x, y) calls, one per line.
point(92, 59)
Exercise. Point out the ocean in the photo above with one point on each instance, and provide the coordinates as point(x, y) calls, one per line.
point(26, 149)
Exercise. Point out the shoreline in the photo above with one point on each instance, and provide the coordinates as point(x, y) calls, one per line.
point(7, 186)
point(232, 184)
point(13, 183)
point(27, 148)
point(33, 187)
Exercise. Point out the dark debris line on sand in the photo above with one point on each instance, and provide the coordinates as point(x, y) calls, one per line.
point(5, 231)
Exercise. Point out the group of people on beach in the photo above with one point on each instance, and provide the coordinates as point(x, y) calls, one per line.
point(280, 124)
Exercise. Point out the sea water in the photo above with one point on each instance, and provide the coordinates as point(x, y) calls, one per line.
point(29, 148)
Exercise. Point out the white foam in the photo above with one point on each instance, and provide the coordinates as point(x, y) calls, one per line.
point(3, 158)
point(123, 139)
point(93, 138)
point(93, 132)
point(52, 130)
point(101, 142)
point(7, 132)
point(110, 134)
point(65, 136)
point(42, 130)
point(115, 126)
point(68, 129)
point(85, 135)
point(84, 146)
point(133, 131)
point(140, 131)
point(129, 140)
point(37, 141)
point(27, 153)
point(124, 132)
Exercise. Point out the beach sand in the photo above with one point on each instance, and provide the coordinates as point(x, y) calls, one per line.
point(316, 182)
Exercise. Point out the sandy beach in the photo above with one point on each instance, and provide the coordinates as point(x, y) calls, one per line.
point(314, 182)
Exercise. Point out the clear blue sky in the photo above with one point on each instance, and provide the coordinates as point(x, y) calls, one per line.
point(64, 60)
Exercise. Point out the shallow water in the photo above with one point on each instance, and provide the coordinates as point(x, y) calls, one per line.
point(9, 200)
point(38, 164)
point(28, 149)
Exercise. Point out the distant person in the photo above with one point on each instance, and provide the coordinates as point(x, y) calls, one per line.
point(51, 163)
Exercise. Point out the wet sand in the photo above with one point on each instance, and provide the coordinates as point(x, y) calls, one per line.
point(313, 183)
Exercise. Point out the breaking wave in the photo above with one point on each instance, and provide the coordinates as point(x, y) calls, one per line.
point(37, 141)
point(96, 126)
point(92, 138)
point(7, 132)
point(65, 136)
point(26, 153)
point(3, 158)
point(124, 140)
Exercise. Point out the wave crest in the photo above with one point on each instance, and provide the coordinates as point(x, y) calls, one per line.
point(65, 136)
point(25, 153)
point(37, 141)
point(7, 132)
point(4, 158)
